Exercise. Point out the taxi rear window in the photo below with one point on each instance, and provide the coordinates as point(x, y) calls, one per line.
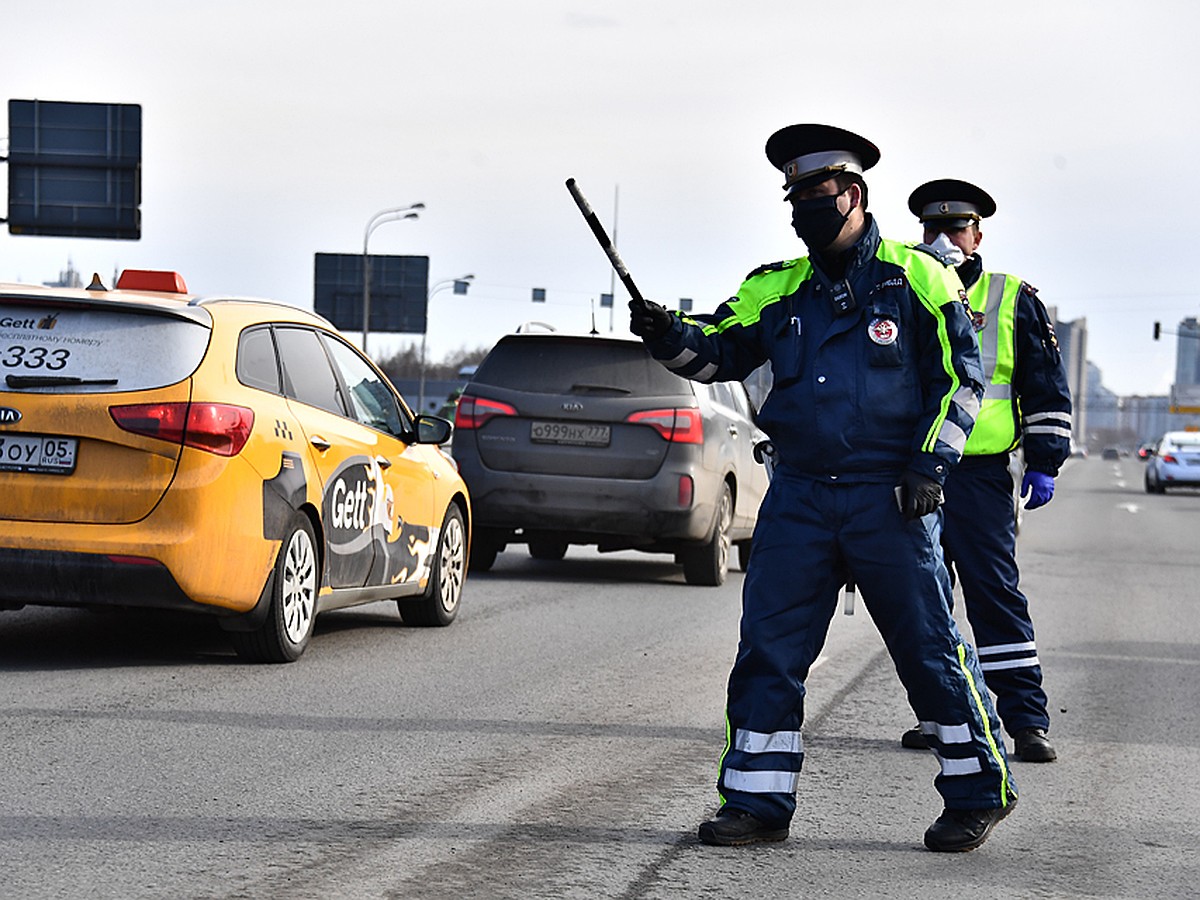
point(51, 349)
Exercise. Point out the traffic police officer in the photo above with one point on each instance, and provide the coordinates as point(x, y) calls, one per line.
point(1026, 401)
point(876, 384)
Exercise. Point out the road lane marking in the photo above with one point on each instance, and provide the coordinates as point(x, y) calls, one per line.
point(1116, 657)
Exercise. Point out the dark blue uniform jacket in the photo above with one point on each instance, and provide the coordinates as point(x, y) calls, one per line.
point(858, 397)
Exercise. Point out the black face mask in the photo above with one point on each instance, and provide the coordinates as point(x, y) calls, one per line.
point(817, 221)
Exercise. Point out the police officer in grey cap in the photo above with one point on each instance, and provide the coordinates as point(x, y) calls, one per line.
point(1026, 404)
point(876, 385)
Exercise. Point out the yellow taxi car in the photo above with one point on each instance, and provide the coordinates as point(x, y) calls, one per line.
point(223, 455)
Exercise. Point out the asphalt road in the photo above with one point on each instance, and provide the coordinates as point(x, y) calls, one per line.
point(561, 739)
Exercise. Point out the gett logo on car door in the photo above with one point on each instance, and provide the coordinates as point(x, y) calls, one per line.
point(369, 542)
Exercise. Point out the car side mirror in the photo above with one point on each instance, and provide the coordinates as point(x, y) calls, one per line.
point(433, 429)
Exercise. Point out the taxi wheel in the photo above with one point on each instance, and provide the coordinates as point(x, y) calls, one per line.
point(285, 633)
point(439, 604)
point(708, 564)
point(1154, 488)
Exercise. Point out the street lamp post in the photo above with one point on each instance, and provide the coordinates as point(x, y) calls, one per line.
point(460, 285)
point(384, 215)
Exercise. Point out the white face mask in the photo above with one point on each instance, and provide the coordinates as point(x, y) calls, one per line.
point(946, 250)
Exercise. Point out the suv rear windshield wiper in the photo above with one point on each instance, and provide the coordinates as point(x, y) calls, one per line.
point(27, 381)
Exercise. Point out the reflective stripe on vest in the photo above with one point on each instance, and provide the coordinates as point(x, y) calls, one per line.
point(995, 429)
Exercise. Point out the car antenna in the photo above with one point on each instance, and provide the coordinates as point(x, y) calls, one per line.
point(593, 331)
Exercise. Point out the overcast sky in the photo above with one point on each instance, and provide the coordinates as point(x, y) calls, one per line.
point(275, 130)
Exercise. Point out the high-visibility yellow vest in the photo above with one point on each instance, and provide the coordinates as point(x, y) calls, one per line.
point(994, 297)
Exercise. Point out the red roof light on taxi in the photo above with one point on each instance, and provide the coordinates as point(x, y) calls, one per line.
point(151, 280)
point(218, 428)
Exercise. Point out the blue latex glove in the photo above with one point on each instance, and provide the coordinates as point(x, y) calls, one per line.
point(1038, 486)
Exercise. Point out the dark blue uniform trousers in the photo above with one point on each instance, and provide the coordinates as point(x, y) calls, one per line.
point(979, 538)
point(811, 536)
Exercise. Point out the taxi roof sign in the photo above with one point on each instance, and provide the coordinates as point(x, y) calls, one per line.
point(151, 280)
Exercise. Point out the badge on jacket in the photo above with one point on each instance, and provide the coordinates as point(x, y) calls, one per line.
point(883, 331)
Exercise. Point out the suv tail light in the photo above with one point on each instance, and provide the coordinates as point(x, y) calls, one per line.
point(218, 428)
point(681, 425)
point(472, 412)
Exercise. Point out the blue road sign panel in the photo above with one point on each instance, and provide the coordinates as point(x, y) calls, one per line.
point(74, 169)
point(399, 291)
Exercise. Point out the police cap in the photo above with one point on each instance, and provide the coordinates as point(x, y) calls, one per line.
point(810, 154)
point(951, 203)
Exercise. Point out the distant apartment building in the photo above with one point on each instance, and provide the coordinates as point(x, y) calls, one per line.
point(1072, 344)
point(1147, 418)
point(1187, 352)
point(1185, 392)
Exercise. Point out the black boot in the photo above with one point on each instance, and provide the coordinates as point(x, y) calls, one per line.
point(733, 828)
point(1032, 745)
point(959, 830)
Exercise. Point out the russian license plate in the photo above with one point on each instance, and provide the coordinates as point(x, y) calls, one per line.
point(579, 434)
point(37, 453)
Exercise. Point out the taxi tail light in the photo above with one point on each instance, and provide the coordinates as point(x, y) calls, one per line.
point(681, 425)
point(218, 428)
point(472, 412)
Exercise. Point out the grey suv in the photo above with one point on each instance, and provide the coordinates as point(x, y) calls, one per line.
point(567, 439)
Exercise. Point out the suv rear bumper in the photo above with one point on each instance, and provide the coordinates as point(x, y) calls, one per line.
point(640, 511)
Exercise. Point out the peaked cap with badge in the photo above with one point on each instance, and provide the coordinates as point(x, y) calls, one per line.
point(951, 203)
point(810, 154)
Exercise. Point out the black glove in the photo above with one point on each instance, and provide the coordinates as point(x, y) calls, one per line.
point(648, 320)
point(919, 496)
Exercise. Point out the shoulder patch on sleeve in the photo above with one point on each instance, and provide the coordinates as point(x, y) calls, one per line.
point(771, 267)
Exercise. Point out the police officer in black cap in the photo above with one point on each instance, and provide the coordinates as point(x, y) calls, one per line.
point(876, 385)
point(1026, 403)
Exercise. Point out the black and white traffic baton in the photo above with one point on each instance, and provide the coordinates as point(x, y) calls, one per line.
point(606, 244)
